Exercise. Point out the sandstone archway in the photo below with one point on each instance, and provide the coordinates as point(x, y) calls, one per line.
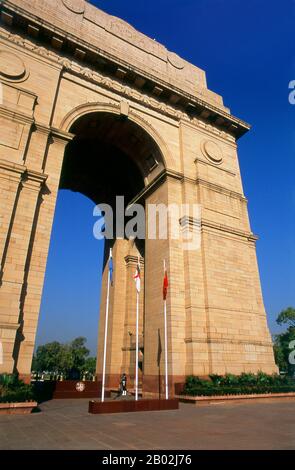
point(109, 156)
point(64, 69)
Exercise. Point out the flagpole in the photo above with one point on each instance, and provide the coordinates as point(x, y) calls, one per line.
point(136, 352)
point(136, 348)
point(166, 346)
point(106, 333)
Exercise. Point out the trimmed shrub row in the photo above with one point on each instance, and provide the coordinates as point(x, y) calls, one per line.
point(13, 390)
point(230, 384)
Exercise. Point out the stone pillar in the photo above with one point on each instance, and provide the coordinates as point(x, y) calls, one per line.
point(10, 178)
point(156, 250)
point(25, 252)
point(37, 255)
point(14, 262)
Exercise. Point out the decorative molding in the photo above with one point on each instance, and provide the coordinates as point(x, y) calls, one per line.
point(190, 222)
point(25, 173)
point(35, 176)
point(115, 108)
point(12, 167)
point(116, 86)
point(206, 162)
point(10, 326)
point(132, 259)
point(226, 228)
point(14, 115)
point(228, 341)
point(61, 134)
point(221, 189)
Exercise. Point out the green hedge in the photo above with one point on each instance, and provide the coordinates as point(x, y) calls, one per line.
point(13, 390)
point(230, 384)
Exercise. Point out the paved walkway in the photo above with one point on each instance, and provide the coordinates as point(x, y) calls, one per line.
point(66, 424)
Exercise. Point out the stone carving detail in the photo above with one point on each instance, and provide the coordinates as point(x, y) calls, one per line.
point(212, 151)
point(76, 6)
point(11, 66)
point(113, 85)
point(175, 60)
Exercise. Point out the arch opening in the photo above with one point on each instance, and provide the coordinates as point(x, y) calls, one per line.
point(109, 148)
point(111, 156)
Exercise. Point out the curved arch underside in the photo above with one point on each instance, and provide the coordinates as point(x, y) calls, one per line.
point(109, 156)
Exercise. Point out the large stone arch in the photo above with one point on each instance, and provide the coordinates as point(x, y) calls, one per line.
point(216, 317)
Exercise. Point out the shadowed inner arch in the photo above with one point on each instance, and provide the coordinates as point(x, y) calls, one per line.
point(109, 156)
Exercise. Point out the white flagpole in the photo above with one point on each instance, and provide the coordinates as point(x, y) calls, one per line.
point(166, 347)
point(136, 352)
point(136, 349)
point(106, 332)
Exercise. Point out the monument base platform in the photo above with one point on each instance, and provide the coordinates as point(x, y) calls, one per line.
point(97, 407)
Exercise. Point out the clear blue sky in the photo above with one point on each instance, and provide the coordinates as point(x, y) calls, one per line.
point(247, 51)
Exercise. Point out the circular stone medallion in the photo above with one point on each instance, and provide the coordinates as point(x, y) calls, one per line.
point(212, 151)
point(80, 387)
point(76, 6)
point(175, 60)
point(11, 66)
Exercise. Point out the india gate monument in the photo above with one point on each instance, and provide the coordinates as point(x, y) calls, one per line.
point(89, 104)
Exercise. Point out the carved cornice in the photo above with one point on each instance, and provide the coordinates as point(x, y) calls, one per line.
point(23, 173)
point(130, 92)
point(9, 326)
point(218, 167)
point(12, 167)
point(52, 131)
point(190, 222)
point(14, 115)
point(221, 189)
point(228, 341)
point(61, 135)
point(207, 224)
point(35, 176)
point(132, 259)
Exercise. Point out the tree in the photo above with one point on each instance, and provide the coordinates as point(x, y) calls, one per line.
point(79, 353)
point(287, 316)
point(69, 358)
point(90, 365)
point(283, 341)
point(52, 357)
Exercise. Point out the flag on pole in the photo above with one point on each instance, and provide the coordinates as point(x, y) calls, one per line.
point(136, 277)
point(165, 283)
point(111, 268)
